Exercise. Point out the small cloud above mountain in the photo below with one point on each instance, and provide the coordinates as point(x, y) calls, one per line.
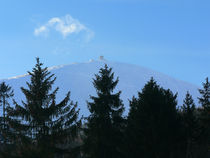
point(66, 26)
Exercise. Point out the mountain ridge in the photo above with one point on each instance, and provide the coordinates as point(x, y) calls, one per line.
point(77, 78)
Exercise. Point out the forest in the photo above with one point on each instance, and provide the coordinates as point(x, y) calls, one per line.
point(155, 126)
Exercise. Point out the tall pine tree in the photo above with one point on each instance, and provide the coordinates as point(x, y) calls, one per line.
point(152, 123)
point(6, 92)
point(204, 100)
point(40, 126)
point(190, 124)
point(103, 131)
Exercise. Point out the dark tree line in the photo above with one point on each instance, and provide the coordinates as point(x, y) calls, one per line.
point(156, 127)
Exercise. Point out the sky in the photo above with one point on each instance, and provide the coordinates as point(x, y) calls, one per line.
point(169, 36)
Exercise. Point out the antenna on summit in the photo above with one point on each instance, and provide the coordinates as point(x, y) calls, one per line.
point(101, 58)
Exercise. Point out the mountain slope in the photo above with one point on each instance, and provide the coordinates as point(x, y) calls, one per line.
point(77, 78)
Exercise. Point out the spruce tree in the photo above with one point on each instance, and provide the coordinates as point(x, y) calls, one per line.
point(204, 100)
point(6, 92)
point(152, 123)
point(190, 124)
point(40, 126)
point(103, 131)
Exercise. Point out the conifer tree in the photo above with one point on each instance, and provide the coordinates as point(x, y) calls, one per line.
point(190, 124)
point(6, 92)
point(49, 126)
point(103, 132)
point(204, 100)
point(152, 123)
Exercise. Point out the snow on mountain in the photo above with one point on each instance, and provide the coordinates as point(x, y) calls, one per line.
point(77, 78)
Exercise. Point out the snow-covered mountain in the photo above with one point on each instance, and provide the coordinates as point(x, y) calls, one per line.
point(77, 78)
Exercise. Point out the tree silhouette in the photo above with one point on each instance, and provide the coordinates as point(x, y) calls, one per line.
point(6, 92)
point(42, 128)
point(152, 123)
point(204, 100)
point(104, 125)
point(190, 124)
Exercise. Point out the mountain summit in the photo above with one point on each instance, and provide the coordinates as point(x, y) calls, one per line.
point(77, 78)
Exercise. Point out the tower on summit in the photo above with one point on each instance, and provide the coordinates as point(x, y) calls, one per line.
point(101, 57)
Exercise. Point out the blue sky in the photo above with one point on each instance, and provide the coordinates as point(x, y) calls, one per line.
point(169, 36)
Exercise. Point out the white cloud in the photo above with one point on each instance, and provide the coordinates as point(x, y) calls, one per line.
point(40, 30)
point(64, 25)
